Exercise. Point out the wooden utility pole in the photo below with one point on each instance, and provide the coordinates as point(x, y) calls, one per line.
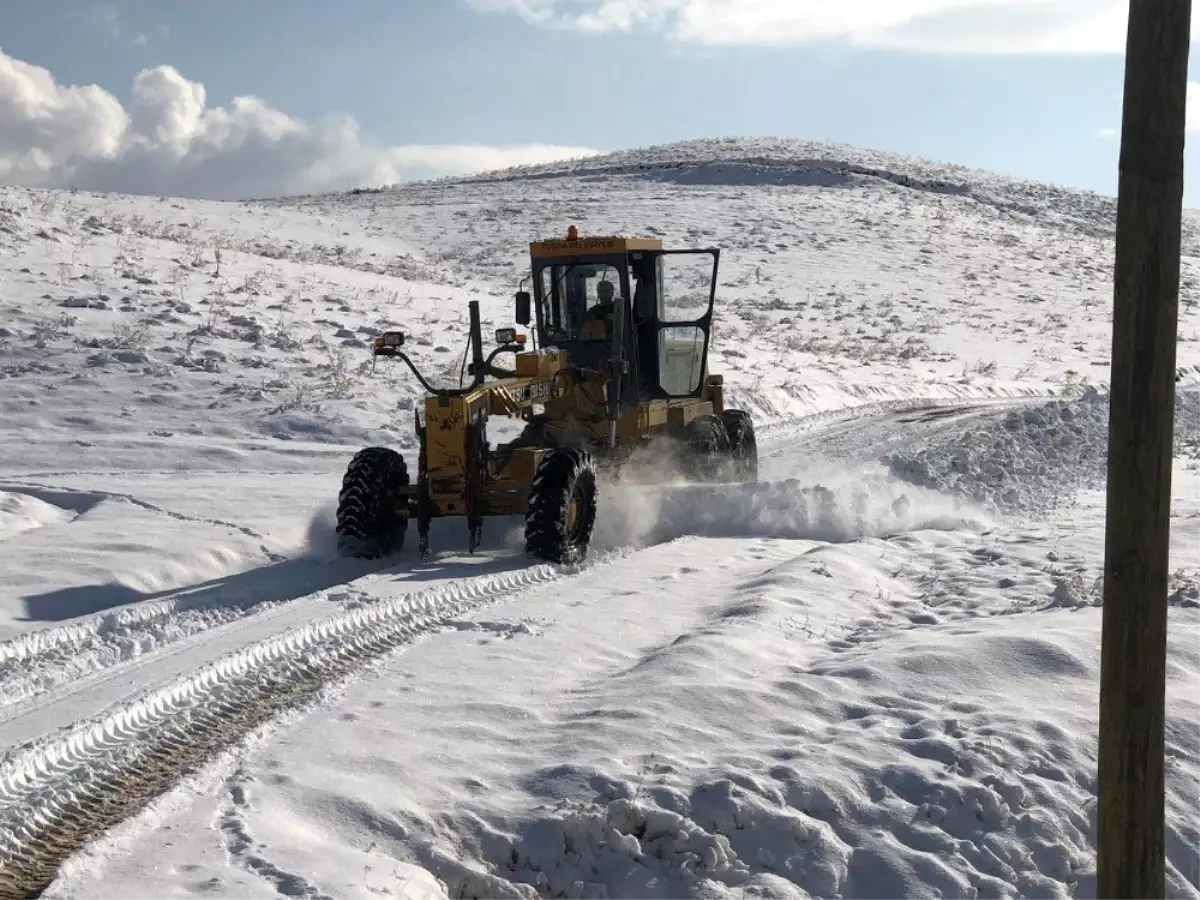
point(1133, 652)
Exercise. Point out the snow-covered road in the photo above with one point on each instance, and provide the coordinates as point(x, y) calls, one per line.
point(105, 713)
point(106, 710)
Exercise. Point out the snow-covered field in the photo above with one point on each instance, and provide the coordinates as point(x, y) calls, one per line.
point(872, 674)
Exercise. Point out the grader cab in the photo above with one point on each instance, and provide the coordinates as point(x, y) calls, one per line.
point(620, 331)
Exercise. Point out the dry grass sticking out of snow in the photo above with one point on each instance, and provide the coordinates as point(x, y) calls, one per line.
point(858, 678)
point(153, 319)
point(161, 320)
point(836, 287)
point(152, 335)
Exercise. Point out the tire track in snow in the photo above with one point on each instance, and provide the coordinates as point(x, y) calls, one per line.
point(37, 662)
point(62, 793)
point(58, 795)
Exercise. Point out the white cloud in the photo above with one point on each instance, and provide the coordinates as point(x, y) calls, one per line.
point(170, 141)
point(957, 26)
point(106, 18)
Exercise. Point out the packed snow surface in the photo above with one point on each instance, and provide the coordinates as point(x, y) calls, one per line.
point(872, 673)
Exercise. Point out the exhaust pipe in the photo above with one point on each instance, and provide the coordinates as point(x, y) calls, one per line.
point(476, 338)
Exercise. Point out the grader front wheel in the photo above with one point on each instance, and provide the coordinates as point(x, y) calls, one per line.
point(370, 520)
point(562, 507)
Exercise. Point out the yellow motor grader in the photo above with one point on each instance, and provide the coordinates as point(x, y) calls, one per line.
point(617, 366)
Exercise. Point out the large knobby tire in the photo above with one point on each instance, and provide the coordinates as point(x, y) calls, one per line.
point(561, 514)
point(705, 448)
point(743, 448)
point(371, 516)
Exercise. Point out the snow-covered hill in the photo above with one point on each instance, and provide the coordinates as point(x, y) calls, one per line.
point(872, 674)
point(850, 271)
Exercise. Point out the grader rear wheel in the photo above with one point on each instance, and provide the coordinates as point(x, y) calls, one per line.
point(705, 448)
point(743, 448)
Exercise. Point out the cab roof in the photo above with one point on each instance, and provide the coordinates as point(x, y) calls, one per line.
point(577, 246)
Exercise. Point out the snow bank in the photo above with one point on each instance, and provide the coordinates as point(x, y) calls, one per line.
point(23, 512)
point(1031, 459)
point(800, 742)
point(910, 795)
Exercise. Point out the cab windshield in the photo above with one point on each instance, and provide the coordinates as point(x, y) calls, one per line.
point(573, 293)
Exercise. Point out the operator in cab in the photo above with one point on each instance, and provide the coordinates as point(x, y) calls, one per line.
point(602, 310)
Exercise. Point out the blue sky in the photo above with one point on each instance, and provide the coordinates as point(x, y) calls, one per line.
point(437, 85)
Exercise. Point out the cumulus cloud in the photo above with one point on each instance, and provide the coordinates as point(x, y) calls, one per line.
point(170, 141)
point(936, 26)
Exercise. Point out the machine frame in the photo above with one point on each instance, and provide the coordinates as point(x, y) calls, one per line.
point(599, 386)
